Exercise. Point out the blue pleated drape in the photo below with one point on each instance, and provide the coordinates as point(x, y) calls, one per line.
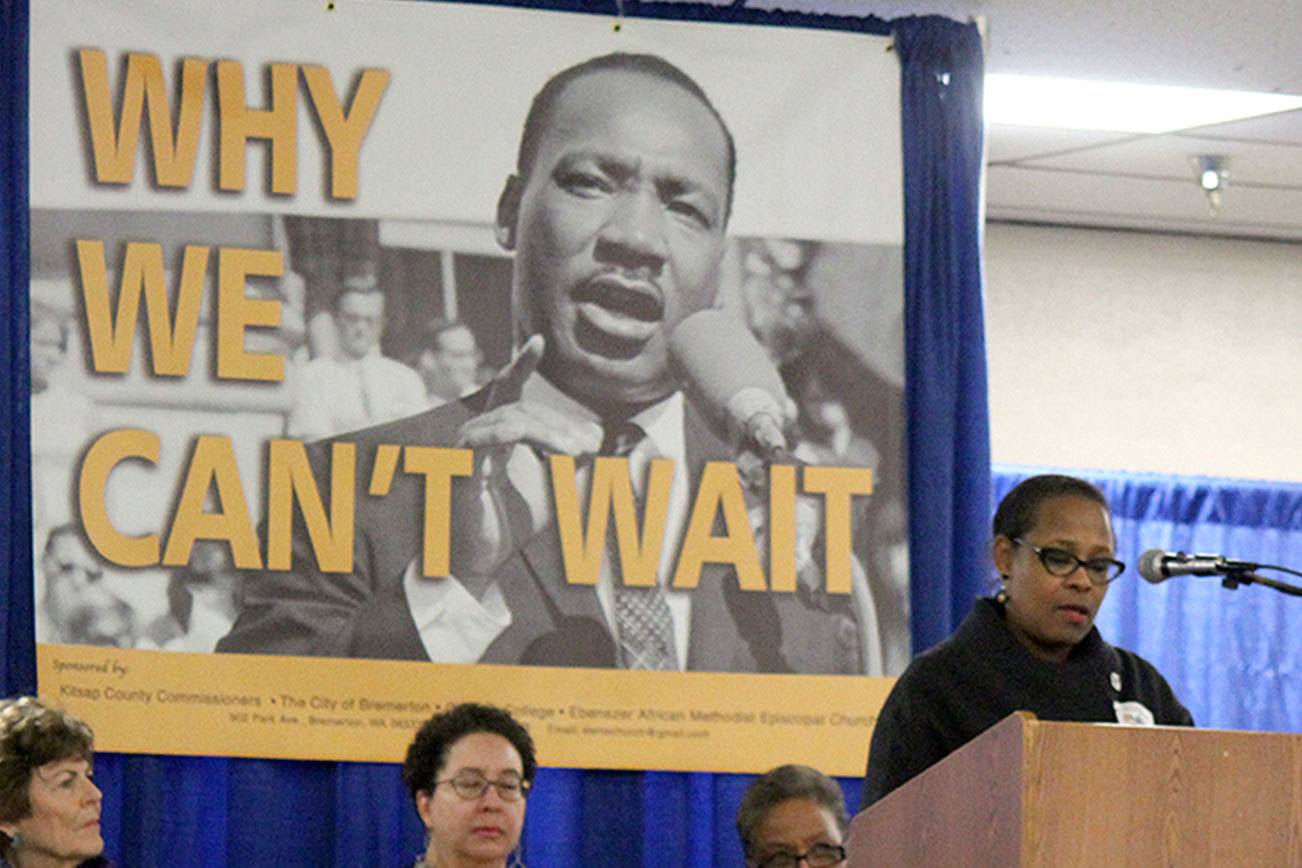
point(179, 811)
point(944, 332)
point(1233, 657)
point(16, 624)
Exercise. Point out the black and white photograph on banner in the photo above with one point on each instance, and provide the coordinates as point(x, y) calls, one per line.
point(385, 353)
point(639, 282)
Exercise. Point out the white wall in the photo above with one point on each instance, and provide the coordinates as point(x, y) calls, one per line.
point(1144, 352)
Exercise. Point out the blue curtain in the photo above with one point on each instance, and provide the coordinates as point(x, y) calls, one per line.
point(945, 359)
point(169, 811)
point(16, 624)
point(1232, 656)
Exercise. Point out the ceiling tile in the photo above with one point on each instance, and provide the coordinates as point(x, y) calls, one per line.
point(1006, 143)
point(1015, 193)
point(1170, 156)
point(1284, 128)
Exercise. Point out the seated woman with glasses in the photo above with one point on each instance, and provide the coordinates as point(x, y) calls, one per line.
point(49, 806)
point(469, 771)
point(1033, 647)
point(790, 814)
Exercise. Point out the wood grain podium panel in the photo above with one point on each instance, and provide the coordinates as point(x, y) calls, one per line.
point(958, 812)
point(1036, 793)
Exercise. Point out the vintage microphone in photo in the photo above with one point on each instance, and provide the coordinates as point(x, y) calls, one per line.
point(729, 376)
point(1156, 566)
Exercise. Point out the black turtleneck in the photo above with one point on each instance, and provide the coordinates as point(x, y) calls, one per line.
point(981, 674)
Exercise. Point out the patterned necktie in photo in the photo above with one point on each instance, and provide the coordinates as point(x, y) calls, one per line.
point(642, 618)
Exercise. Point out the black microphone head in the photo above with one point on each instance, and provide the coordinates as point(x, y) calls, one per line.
point(1150, 566)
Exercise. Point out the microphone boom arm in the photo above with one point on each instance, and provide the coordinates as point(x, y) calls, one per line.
point(1235, 577)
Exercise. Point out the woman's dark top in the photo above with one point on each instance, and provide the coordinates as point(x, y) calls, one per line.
point(981, 674)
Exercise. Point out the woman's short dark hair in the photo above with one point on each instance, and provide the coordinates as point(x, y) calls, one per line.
point(429, 749)
point(32, 735)
point(780, 784)
point(1017, 511)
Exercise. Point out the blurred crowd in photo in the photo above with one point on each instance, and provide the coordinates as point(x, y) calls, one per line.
point(380, 322)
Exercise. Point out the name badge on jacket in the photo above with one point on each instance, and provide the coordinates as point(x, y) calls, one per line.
point(1133, 713)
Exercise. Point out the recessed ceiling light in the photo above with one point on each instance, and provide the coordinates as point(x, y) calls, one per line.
point(1075, 104)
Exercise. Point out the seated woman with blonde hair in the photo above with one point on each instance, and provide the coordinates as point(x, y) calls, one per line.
point(49, 806)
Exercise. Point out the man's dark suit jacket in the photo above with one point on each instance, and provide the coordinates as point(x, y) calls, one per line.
point(364, 613)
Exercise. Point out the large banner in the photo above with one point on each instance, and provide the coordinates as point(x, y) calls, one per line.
point(387, 355)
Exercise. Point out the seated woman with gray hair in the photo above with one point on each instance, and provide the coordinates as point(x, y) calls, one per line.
point(49, 806)
point(791, 816)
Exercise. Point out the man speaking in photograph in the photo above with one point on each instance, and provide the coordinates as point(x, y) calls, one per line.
point(616, 216)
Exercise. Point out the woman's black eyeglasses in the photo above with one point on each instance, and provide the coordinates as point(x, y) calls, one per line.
point(1062, 563)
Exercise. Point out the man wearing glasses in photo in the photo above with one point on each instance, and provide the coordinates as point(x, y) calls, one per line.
point(356, 386)
point(1032, 647)
point(77, 607)
point(469, 771)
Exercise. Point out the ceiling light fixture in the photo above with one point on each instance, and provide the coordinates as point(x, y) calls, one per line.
point(1076, 104)
point(1212, 172)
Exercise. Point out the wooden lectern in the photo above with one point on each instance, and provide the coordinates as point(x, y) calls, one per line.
point(1031, 792)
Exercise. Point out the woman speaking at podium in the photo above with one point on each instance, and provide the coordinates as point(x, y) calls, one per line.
point(1032, 647)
